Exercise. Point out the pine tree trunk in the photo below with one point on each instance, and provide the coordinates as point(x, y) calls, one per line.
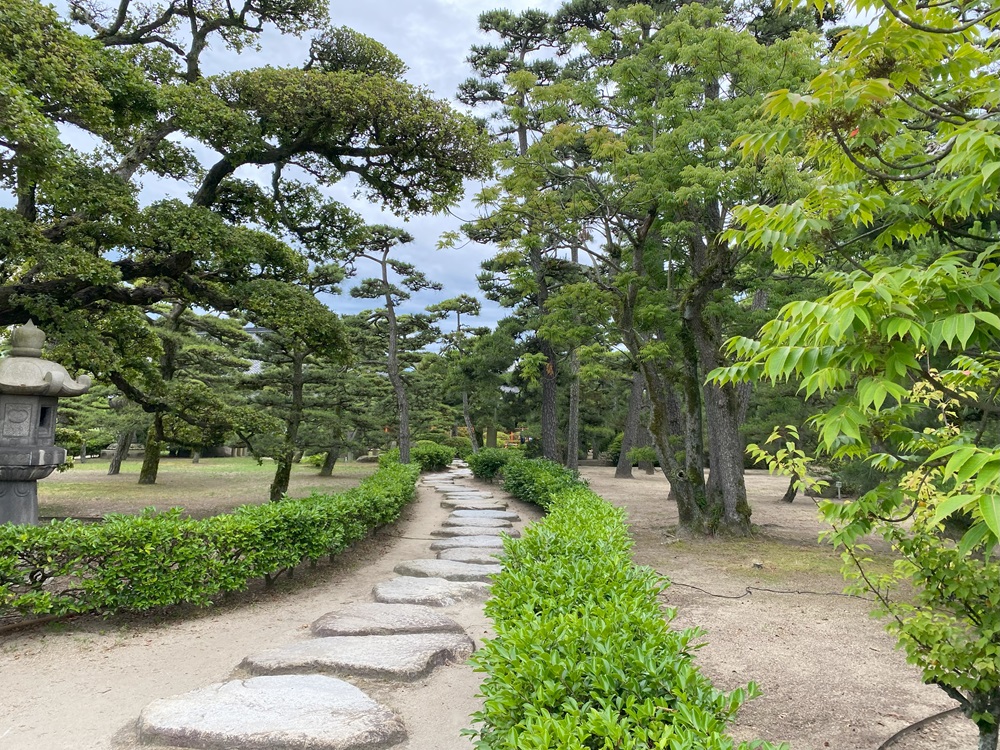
point(121, 452)
point(988, 737)
point(791, 492)
point(631, 434)
point(550, 400)
point(196, 457)
point(326, 470)
point(573, 426)
point(491, 436)
point(285, 457)
point(151, 453)
point(83, 452)
point(468, 421)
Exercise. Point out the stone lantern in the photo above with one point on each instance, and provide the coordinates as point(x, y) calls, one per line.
point(29, 391)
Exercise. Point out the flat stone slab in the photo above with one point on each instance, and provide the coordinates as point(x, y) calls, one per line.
point(472, 555)
point(372, 618)
point(506, 515)
point(482, 523)
point(481, 541)
point(434, 592)
point(456, 504)
point(453, 531)
point(300, 712)
point(397, 657)
point(450, 570)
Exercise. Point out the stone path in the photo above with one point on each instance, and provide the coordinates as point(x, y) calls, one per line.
point(301, 695)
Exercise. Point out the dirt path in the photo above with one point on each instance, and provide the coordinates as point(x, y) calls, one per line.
point(82, 686)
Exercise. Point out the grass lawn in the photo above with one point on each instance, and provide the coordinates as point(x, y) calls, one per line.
point(210, 487)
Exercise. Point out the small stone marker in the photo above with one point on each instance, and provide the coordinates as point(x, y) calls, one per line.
point(479, 542)
point(453, 531)
point(491, 523)
point(398, 657)
point(372, 618)
point(471, 555)
point(434, 592)
point(506, 515)
point(301, 712)
point(450, 570)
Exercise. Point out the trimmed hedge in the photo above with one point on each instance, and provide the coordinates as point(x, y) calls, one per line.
point(489, 462)
point(431, 456)
point(584, 657)
point(134, 563)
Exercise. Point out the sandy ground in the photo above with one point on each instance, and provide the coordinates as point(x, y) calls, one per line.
point(831, 677)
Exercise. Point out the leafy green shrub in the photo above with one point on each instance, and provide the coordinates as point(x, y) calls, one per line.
point(489, 462)
point(134, 563)
point(431, 456)
point(314, 459)
point(388, 458)
point(461, 444)
point(584, 657)
point(615, 448)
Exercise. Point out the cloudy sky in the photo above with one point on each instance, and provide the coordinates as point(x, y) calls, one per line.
point(433, 38)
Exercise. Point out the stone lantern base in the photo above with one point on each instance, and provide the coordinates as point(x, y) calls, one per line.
point(19, 482)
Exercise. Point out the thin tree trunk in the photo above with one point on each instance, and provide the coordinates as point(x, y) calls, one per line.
point(121, 451)
point(792, 491)
point(468, 421)
point(151, 453)
point(491, 435)
point(326, 470)
point(744, 389)
point(83, 452)
point(285, 457)
point(645, 440)
point(630, 436)
point(573, 426)
point(196, 457)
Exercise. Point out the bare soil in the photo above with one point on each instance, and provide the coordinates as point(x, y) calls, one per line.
point(830, 675)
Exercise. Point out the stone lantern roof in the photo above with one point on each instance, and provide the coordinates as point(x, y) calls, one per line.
point(25, 373)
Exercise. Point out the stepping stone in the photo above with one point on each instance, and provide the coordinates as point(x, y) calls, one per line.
point(450, 570)
point(471, 555)
point(434, 592)
point(506, 515)
point(371, 618)
point(453, 531)
point(455, 504)
point(300, 712)
point(479, 542)
point(396, 657)
point(491, 523)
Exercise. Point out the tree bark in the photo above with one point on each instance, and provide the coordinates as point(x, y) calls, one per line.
point(744, 389)
point(151, 453)
point(573, 420)
point(491, 436)
point(326, 470)
point(469, 427)
point(631, 433)
point(196, 457)
point(286, 456)
point(121, 452)
point(792, 491)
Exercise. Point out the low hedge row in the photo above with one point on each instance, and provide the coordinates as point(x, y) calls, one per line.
point(426, 454)
point(583, 655)
point(134, 563)
point(487, 463)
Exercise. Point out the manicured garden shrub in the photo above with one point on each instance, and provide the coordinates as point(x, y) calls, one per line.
point(431, 456)
point(388, 458)
point(134, 563)
point(488, 463)
point(461, 444)
point(584, 657)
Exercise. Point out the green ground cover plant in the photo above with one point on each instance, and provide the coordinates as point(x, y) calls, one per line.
point(135, 563)
point(584, 656)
